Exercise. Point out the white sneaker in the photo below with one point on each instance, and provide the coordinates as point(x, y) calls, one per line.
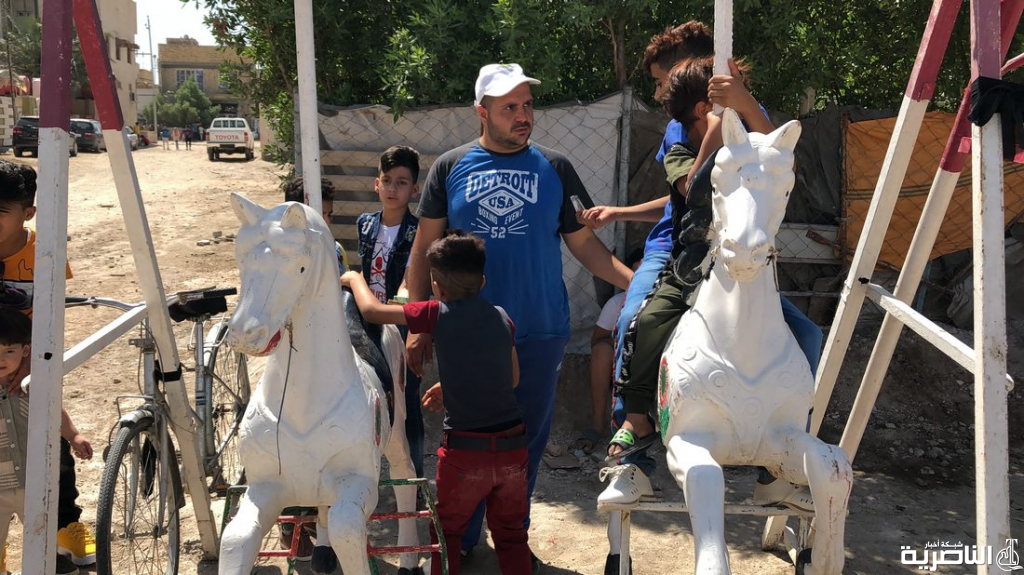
point(627, 486)
point(779, 492)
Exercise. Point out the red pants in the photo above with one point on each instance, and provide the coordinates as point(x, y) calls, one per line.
point(467, 477)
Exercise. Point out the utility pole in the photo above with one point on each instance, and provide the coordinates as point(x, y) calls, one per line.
point(8, 26)
point(152, 65)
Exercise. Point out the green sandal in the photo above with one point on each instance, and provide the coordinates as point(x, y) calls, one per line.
point(629, 443)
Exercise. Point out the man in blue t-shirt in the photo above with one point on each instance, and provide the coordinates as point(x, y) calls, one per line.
point(521, 199)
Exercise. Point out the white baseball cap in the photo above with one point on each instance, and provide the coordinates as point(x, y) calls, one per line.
point(500, 79)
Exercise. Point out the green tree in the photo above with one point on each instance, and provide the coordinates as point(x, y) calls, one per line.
point(186, 106)
point(405, 53)
point(23, 42)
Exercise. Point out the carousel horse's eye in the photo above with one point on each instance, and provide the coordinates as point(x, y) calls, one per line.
point(302, 270)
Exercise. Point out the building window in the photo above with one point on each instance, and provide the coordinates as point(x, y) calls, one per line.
point(183, 75)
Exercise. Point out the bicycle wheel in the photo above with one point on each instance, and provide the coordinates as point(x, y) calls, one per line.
point(229, 378)
point(137, 517)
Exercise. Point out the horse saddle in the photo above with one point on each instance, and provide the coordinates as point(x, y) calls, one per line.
point(367, 341)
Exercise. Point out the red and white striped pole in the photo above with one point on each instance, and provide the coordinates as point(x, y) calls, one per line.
point(991, 436)
point(40, 545)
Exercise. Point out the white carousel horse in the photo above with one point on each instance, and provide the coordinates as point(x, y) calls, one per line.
point(734, 387)
point(317, 424)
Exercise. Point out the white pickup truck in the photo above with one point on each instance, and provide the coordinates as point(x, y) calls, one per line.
point(229, 136)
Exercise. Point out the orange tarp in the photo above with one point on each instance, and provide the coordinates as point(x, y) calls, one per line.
point(866, 144)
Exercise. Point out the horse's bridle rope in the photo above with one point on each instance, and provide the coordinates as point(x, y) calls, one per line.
point(773, 260)
point(284, 392)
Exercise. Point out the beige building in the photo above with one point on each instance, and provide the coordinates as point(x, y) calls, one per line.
point(184, 58)
point(145, 92)
point(119, 25)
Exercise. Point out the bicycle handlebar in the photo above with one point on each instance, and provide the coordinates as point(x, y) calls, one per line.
point(180, 297)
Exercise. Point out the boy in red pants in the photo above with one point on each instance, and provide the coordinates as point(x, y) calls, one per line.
point(483, 454)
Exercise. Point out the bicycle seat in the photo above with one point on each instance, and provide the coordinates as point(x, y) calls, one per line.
point(197, 309)
point(366, 339)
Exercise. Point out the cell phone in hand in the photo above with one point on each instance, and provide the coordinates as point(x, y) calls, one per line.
point(576, 203)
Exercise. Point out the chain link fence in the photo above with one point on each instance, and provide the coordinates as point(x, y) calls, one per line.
point(946, 292)
point(838, 160)
point(352, 139)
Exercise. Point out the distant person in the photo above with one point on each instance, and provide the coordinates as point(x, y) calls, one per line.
point(176, 136)
point(188, 138)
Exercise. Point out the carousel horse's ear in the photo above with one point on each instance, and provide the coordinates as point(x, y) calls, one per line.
point(248, 212)
point(786, 137)
point(733, 132)
point(294, 217)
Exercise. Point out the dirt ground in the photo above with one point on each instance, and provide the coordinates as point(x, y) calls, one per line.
point(914, 478)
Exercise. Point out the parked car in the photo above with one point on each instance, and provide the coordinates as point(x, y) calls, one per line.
point(133, 138)
point(90, 134)
point(229, 136)
point(26, 138)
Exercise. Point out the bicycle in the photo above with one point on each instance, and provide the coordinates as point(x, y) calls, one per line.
point(138, 513)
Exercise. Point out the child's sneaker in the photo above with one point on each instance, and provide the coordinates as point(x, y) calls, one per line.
point(627, 486)
point(65, 566)
point(77, 541)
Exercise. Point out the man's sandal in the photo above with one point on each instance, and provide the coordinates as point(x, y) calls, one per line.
point(629, 443)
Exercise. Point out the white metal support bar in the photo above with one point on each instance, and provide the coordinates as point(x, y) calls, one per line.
point(182, 419)
point(98, 341)
point(903, 314)
point(309, 132)
point(991, 459)
point(950, 167)
point(183, 422)
point(883, 202)
point(920, 89)
point(723, 39)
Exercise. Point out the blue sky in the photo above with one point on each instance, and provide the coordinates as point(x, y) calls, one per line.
point(169, 19)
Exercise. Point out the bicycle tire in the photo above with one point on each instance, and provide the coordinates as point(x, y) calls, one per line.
point(135, 473)
point(228, 393)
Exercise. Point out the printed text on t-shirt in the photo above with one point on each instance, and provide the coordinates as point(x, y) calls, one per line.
point(500, 196)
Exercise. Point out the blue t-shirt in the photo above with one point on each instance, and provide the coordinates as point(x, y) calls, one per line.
point(519, 204)
point(660, 238)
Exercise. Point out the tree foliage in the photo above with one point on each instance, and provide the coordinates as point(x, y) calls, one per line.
point(186, 106)
point(405, 53)
point(24, 42)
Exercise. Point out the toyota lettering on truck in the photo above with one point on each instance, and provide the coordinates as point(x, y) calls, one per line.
point(229, 136)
